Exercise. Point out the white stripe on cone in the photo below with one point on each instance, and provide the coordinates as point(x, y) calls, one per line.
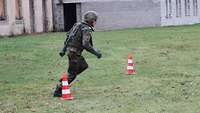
point(64, 83)
point(67, 91)
point(130, 61)
point(129, 67)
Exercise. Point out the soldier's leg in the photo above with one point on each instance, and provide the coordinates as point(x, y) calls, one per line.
point(79, 66)
point(82, 65)
point(73, 67)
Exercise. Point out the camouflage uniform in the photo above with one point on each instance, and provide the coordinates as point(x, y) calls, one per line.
point(81, 40)
point(78, 39)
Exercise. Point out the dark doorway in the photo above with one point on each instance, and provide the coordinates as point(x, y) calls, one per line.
point(69, 15)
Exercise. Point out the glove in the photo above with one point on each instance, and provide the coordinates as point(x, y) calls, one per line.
point(98, 53)
point(61, 53)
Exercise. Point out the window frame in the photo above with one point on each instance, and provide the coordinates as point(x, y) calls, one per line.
point(20, 16)
point(178, 8)
point(4, 17)
point(187, 7)
point(195, 7)
point(168, 4)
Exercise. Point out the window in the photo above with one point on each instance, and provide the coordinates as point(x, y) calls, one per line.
point(187, 7)
point(195, 8)
point(168, 9)
point(2, 10)
point(18, 9)
point(178, 8)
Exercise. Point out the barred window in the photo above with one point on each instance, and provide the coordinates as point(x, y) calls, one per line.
point(18, 9)
point(2, 10)
point(178, 8)
point(168, 8)
point(187, 7)
point(195, 7)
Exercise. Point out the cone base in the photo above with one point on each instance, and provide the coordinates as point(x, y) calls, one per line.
point(68, 98)
point(131, 73)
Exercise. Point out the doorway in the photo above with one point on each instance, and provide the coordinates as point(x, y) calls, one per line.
point(69, 15)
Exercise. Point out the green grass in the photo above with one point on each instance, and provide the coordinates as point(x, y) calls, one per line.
point(167, 80)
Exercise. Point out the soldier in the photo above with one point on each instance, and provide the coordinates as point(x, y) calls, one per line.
point(79, 38)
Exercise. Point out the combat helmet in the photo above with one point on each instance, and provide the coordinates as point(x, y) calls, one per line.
point(90, 16)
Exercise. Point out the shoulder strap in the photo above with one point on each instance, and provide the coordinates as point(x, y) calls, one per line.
point(89, 28)
point(71, 34)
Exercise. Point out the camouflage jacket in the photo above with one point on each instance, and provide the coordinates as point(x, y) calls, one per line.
point(80, 38)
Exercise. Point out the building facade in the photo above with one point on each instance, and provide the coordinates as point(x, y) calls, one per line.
point(119, 14)
point(29, 16)
point(25, 16)
point(180, 12)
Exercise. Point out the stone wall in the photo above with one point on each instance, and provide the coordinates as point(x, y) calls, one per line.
point(125, 14)
point(12, 26)
point(169, 15)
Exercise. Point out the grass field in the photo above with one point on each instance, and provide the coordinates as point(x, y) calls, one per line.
point(167, 80)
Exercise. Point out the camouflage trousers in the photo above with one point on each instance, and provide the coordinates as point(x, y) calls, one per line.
point(77, 64)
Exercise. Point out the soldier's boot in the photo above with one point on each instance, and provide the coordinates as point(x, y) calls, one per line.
point(71, 78)
point(58, 91)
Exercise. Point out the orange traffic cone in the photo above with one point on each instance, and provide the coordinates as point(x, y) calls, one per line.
point(66, 94)
point(130, 66)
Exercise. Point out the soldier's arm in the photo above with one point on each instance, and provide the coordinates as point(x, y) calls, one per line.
point(86, 40)
point(63, 50)
point(87, 45)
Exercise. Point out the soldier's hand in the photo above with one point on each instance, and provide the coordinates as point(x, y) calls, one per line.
point(99, 55)
point(61, 53)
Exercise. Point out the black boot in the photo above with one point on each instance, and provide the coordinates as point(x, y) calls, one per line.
point(71, 78)
point(58, 91)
